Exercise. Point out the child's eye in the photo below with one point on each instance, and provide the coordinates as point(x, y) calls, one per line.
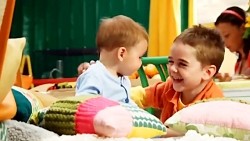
point(182, 64)
point(170, 61)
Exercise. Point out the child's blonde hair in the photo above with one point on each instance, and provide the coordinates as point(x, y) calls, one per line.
point(119, 31)
point(209, 45)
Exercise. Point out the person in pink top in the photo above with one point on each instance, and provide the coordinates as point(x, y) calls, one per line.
point(231, 26)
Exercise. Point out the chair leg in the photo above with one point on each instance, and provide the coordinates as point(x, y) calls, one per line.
point(18, 79)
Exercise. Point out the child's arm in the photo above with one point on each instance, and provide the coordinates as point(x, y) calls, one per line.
point(150, 96)
point(138, 96)
point(155, 94)
point(88, 83)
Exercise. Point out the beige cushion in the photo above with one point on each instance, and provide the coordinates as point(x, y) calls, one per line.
point(11, 64)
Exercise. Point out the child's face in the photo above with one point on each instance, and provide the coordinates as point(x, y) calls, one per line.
point(184, 69)
point(132, 60)
point(232, 35)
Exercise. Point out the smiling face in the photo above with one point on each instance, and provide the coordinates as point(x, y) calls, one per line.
point(185, 70)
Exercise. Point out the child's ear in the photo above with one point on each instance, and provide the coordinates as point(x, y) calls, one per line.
point(209, 72)
point(122, 51)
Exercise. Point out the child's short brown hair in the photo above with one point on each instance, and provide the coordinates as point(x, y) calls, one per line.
point(119, 31)
point(209, 45)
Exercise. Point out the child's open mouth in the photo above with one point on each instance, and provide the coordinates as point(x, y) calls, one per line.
point(177, 80)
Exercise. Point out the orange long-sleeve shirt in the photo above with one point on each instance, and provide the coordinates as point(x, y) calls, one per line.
point(163, 96)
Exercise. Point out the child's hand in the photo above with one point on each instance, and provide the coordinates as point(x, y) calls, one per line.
point(223, 77)
point(137, 95)
point(84, 66)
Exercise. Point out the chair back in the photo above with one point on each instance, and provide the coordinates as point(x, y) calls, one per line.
point(161, 65)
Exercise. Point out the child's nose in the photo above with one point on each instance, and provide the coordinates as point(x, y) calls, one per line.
point(173, 68)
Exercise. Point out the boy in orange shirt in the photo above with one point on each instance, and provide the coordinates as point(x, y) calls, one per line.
point(195, 57)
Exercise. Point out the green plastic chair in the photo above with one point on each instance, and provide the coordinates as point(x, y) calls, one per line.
point(161, 65)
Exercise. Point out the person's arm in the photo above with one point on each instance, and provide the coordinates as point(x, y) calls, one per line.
point(88, 83)
point(138, 96)
point(153, 94)
point(150, 96)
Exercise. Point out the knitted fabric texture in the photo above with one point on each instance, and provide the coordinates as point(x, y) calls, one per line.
point(94, 114)
point(74, 115)
point(140, 120)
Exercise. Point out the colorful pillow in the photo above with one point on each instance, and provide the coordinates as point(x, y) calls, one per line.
point(11, 64)
point(27, 103)
point(37, 118)
point(94, 114)
point(218, 117)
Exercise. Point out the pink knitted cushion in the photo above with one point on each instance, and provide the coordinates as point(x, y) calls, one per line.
point(94, 114)
point(86, 112)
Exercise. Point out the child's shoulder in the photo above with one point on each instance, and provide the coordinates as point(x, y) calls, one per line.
point(95, 68)
point(92, 72)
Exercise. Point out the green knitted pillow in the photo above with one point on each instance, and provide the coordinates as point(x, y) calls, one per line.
point(97, 115)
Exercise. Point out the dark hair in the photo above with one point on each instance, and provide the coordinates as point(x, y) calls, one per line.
point(225, 17)
point(208, 43)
